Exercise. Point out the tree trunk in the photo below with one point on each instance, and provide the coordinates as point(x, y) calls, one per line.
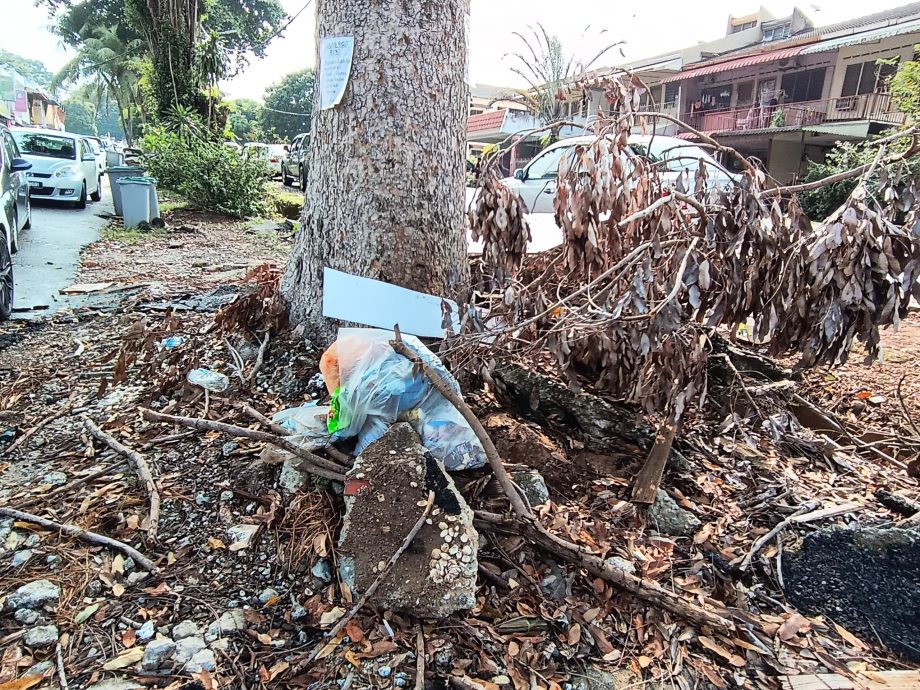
point(385, 185)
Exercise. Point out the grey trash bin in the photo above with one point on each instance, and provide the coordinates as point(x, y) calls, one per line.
point(120, 172)
point(114, 159)
point(138, 200)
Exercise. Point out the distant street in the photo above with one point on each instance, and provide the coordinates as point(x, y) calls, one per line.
point(49, 253)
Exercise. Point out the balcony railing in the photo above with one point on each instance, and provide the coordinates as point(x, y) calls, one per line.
point(872, 106)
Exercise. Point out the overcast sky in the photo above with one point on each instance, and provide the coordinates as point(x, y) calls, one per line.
point(647, 28)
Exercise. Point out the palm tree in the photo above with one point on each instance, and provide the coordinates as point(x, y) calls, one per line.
point(111, 65)
point(548, 71)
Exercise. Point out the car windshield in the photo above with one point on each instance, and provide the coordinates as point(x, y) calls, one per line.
point(38, 144)
point(276, 149)
point(677, 157)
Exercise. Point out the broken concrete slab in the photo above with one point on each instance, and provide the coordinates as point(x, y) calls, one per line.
point(866, 579)
point(385, 494)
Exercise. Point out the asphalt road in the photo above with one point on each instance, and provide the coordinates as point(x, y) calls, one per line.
point(49, 254)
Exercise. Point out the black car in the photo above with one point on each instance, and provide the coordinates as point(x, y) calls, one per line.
point(16, 213)
point(294, 165)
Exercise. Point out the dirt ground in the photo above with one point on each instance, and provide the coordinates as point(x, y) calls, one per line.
point(260, 608)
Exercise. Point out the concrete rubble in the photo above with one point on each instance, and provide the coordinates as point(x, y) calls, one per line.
point(385, 494)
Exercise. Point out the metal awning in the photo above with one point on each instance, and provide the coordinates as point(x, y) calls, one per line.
point(864, 37)
point(737, 63)
point(858, 129)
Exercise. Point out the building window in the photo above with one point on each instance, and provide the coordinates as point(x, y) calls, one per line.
point(738, 28)
point(807, 85)
point(745, 93)
point(867, 77)
point(778, 32)
point(671, 94)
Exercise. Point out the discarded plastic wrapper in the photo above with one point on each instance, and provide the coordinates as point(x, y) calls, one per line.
point(209, 380)
point(378, 387)
point(308, 425)
point(173, 342)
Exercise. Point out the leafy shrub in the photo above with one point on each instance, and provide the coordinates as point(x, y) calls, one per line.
point(820, 203)
point(211, 175)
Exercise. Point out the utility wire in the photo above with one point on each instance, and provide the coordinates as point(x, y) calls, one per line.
point(286, 112)
point(286, 25)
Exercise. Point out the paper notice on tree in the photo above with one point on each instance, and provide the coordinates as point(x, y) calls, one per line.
point(335, 54)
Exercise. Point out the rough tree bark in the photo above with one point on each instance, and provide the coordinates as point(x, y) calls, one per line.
point(385, 186)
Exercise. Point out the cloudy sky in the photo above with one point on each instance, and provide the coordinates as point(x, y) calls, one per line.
point(645, 28)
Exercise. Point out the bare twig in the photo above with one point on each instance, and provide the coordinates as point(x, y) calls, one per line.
point(382, 575)
point(62, 677)
point(645, 487)
point(43, 498)
point(310, 461)
point(266, 421)
point(419, 659)
point(260, 358)
point(83, 534)
point(237, 364)
point(140, 467)
point(41, 425)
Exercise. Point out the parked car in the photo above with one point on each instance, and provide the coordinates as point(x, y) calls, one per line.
point(536, 183)
point(15, 213)
point(99, 148)
point(64, 167)
point(294, 166)
point(272, 154)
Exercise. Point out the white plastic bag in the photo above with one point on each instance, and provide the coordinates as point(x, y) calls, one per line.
point(307, 424)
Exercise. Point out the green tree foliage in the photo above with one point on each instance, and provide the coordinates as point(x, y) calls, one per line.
point(905, 87)
point(245, 120)
point(289, 105)
point(30, 69)
point(184, 158)
point(81, 116)
point(87, 116)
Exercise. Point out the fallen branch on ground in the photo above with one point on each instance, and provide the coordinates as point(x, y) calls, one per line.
point(140, 467)
point(41, 425)
point(645, 487)
point(260, 358)
point(83, 534)
point(262, 419)
point(310, 461)
point(73, 485)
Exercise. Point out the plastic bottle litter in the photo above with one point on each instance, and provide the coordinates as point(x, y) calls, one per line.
point(209, 380)
point(172, 342)
point(373, 387)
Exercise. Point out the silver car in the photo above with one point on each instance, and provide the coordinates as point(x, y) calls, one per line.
point(15, 213)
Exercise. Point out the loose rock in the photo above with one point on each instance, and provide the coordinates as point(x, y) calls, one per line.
point(41, 636)
point(54, 478)
point(291, 479)
point(241, 536)
point(34, 595)
point(186, 648)
point(26, 616)
point(620, 564)
point(669, 518)
point(203, 659)
point(42, 668)
point(20, 558)
point(267, 595)
point(146, 631)
point(157, 654)
point(185, 629)
point(231, 620)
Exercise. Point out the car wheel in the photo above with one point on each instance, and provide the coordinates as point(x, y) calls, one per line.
point(6, 280)
point(97, 195)
point(303, 180)
point(82, 202)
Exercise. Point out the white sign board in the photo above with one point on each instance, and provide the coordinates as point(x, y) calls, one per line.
point(335, 53)
point(375, 303)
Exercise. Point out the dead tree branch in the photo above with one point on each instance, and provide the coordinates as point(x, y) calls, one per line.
point(38, 427)
point(310, 461)
point(140, 467)
point(79, 533)
point(260, 358)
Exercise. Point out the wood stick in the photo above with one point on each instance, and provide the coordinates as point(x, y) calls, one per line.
point(495, 462)
point(758, 545)
point(85, 535)
point(266, 421)
point(419, 659)
point(140, 467)
point(336, 454)
point(369, 592)
point(73, 485)
point(646, 486)
point(310, 462)
point(646, 590)
point(62, 677)
point(260, 358)
point(41, 425)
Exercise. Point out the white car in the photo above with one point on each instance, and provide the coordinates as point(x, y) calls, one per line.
point(272, 154)
point(536, 183)
point(64, 167)
point(98, 147)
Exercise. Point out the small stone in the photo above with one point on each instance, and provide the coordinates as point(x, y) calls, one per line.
point(34, 595)
point(185, 629)
point(41, 636)
point(620, 564)
point(53, 561)
point(669, 518)
point(532, 485)
point(322, 570)
point(203, 659)
point(297, 613)
point(32, 541)
point(54, 478)
point(384, 671)
point(464, 538)
point(42, 668)
point(20, 558)
point(268, 594)
point(233, 619)
point(93, 588)
point(26, 616)
point(135, 577)
point(226, 496)
point(186, 648)
point(146, 631)
point(292, 479)
point(129, 564)
point(203, 500)
point(223, 644)
point(877, 400)
point(241, 536)
point(157, 654)
point(228, 448)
